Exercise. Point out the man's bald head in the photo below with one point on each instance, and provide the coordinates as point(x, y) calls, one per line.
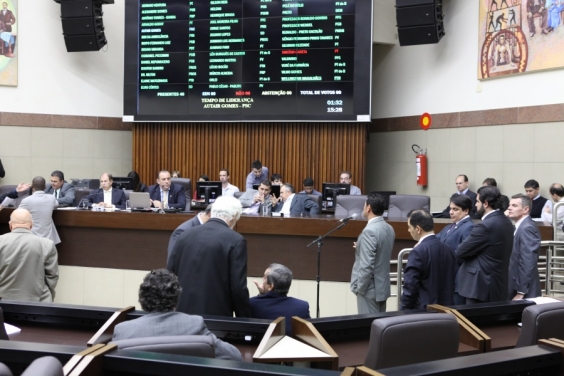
point(20, 218)
point(38, 184)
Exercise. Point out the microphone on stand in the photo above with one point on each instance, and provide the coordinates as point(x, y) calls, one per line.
point(80, 202)
point(345, 220)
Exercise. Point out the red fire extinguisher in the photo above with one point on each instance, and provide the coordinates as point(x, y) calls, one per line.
point(421, 165)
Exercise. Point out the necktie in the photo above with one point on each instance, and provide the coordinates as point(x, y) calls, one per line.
point(165, 200)
point(56, 193)
point(451, 228)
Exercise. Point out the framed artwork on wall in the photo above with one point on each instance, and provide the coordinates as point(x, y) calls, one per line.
point(518, 36)
point(8, 42)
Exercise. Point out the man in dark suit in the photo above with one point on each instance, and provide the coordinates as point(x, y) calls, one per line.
point(211, 264)
point(532, 189)
point(63, 191)
point(158, 295)
point(485, 252)
point(107, 196)
point(199, 219)
point(461, 189)
point(431, 266)
point(273, 301)
point(294, 204)
point(22, 187)
point(166, 195)
point(524, 280)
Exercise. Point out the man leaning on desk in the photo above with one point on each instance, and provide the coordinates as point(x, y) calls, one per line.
point(107, 196)
point(165, 194)
point(63, 191)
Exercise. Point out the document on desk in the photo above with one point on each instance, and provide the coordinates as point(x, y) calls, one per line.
point(543, 300)
point(11, 330)
point(289, 347)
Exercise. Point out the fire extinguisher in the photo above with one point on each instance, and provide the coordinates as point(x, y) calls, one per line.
point(421, 165)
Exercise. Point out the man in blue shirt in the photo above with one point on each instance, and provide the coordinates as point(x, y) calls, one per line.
point(258, 174)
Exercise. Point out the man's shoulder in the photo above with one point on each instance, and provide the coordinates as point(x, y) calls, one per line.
point(152, 188)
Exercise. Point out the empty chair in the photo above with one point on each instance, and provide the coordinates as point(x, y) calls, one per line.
point(408, 339)
point(318, 200)
point(541, 321)
point(202, 346)
point(401, 205)
point(186, 183)
point(349, 205)
point(79, 195)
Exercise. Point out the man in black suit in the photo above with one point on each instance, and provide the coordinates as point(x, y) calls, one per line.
point(532, 189)
point(294, 204)
point(211, 264)
point(199, 219)
point(486, 251)
point(107, 196)
point(431, 266)
point(461, 189)
point(166, 195)
point(63, 191)
point(524, 280)
point(273, 300)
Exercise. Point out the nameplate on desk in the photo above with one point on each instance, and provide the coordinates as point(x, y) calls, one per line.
point(277, 214)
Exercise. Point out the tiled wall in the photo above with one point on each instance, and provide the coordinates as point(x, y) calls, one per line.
point(119, 288)
point(27, 152)
point(512, 154)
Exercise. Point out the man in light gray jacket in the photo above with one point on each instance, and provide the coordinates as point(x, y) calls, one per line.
point(370, 279)
point(41, 206)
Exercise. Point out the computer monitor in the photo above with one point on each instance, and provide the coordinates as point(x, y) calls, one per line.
point(208, 191)
point(122, 183)
point(331, 191)
point(274, 189)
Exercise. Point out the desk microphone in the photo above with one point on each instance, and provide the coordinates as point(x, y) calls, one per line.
point(345, 220)
point(80, 202)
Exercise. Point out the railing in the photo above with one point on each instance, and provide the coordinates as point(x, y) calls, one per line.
point(554, 266)
point(556, 228)
point(400, 263)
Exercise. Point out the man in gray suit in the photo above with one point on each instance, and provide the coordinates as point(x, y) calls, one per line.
point(253, 200)
point(199, 219)
point(28, 263)
point(63, 191)
point(370, 279)
point(524, 281)
point(158, 295)
point(41, 206)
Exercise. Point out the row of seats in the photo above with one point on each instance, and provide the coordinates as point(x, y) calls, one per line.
point(399, 205)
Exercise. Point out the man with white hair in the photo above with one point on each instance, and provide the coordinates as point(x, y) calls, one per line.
point(211, 264)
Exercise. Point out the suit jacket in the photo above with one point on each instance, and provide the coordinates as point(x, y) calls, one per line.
point(28, 267)
point(485, 254)
point(7, 18)
point(523, 268)
point(301, 203)
point(471, 195)
point(538, 204)
point(158, 324)
point(457, 234)
point(372, 259)
point(66, 194)
point(429, 275)
point(41, 206)
point(118, 197)
point(192, 222)
point(248, 197)
point(272, 305)
point(176, 195)
point(211, 264)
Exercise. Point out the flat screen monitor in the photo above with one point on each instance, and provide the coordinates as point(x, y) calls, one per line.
point(122, 183)
point(248, 60)
point(208, 191)
point(274, 189)
point(331, 191)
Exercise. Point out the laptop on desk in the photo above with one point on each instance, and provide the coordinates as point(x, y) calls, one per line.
point(139, 201)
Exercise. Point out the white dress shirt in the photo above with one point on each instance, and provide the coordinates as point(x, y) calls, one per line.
point(287, 204)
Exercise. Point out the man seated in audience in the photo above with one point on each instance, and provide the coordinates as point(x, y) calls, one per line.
point(273, 300)
point(199, 219)
point(165, 194)
point(308, 187)
point(257, 175)
point(63, 191)
point(227, 189)
point(22, 187)
point(485, 253)
point(41, 206)
point(557, 195)
point(532, 189)
point(345, 178)
point(293, 204)
point(253, 200)
point(158, 296)
point(524, 280)
point(504, 199)
point(431, 266)
point(106, 196)
point(28, 263)
point(461, 227)
point(276, 179)
point(461, 189)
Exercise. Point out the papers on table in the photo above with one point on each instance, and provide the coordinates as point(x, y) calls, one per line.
point(543, 300)
point(11, 330)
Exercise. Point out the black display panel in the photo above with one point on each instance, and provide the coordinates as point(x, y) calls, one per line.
point(247, 60)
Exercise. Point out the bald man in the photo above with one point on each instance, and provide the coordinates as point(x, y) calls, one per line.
point(29, 268)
